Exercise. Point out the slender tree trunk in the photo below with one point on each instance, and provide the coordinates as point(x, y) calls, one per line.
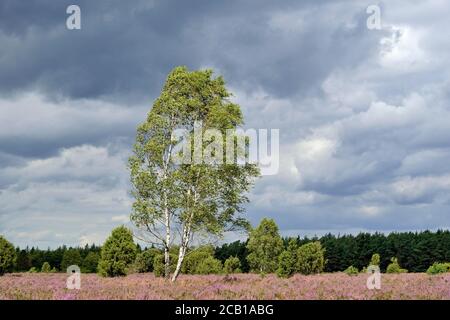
point(167, 220)
point(181, 255)
point(183, 249)
point(187, 228)
point(166, 248)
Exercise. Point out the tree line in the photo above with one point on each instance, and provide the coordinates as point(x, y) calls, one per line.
point(264, 252)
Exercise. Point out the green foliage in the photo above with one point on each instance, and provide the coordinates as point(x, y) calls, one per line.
point(145, 259)
point(264, 246)
point(232, 265)
point(46, 268)
point(90, 262)
point(235, 249)
point(375, 260)
point(351, 270)
point(394, 267)
point(437, 268)
point(158, 264)
point(195, 257)
point(118, 253)
point(7, 256)
point(287, 261)
point(210, 265)
point(33, 270)
point(71, 257)
point(201, 261)
point(310, 258)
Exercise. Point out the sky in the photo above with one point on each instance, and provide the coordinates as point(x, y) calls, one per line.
point(363, 114)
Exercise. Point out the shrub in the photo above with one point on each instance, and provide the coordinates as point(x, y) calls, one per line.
point(33, 270)
point(46, 268)
point(90, 262)
point(287, 260)
point(394, 267)
point(145, 259)
point(351, 271)
point(71, 257)
point(310, 258)
point(232, 265)
point(7, 256)
point(437, 268)
point(195, 257)
point(375, 260)
point(158, 264)
point(118, 253)
point(210, 265)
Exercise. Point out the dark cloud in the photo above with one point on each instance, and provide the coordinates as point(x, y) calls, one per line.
point(124, 51)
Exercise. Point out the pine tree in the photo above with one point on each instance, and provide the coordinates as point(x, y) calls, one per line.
point(118, 253)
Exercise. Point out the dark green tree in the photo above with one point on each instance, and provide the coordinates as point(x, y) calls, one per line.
point(71, 257)
point(145, 259)
point(23, 260)
point(287, 261)
point(235, 249)
point(90, 262)
point(118, 253)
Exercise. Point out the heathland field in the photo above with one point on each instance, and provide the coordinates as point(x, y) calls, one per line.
point(237, 286)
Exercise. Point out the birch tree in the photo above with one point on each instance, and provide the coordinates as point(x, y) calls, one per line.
point(178, 201)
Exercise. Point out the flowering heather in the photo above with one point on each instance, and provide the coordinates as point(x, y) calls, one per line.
point(239, 286)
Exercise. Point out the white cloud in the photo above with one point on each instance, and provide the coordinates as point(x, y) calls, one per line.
point(93, 238)
point(402, 52)
point(423, 189)
point(121, 218)
point(370, 210)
